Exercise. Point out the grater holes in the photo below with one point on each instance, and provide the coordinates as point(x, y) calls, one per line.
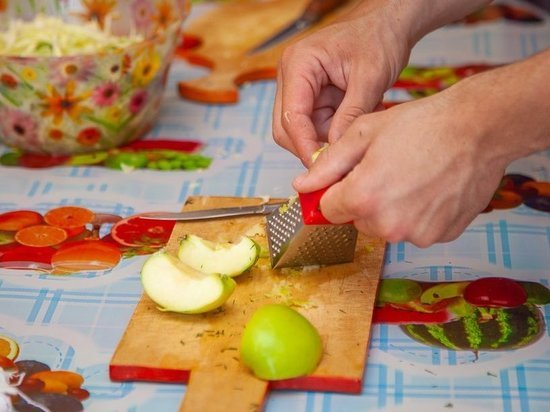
point(329, 244)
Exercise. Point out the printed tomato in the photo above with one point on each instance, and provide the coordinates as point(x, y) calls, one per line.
point(18, 219)
point(495, 292)
point(85, 255)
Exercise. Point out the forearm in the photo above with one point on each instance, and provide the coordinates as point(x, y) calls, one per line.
point(509, 107)
point(416, 18)
point(429, 15)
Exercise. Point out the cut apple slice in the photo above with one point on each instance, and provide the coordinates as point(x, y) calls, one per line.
point(177, 287)
point(230, 259)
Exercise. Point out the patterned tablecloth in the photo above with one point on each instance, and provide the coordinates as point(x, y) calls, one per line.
point(74, 322)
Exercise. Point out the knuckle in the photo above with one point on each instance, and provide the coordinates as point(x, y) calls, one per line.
point(422, 242)
point(291, 53)
point(393, 232)
point(425, 240)
point(353, 112)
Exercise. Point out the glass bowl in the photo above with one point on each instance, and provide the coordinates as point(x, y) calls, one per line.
point(79, 103)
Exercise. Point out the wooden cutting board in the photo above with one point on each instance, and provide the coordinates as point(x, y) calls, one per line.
point(223, 37)
point(202, 350)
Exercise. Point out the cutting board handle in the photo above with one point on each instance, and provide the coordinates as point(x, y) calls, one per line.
point(224, 390)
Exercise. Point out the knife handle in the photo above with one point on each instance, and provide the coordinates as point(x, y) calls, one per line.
point(317, 9)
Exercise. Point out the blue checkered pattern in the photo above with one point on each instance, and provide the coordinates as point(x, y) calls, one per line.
point(75, 322)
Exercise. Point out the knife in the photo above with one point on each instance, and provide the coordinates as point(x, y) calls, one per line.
point(263, 209)
point(314, 11)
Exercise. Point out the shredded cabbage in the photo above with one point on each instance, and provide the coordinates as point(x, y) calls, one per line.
point(51, 36)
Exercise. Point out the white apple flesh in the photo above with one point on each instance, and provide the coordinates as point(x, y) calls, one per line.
point(230, 259)
point(175, 286)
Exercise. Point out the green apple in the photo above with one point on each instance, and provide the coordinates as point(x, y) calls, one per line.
point(445, 290)
point(230, 259)
point(177, 287)
point(280, 343)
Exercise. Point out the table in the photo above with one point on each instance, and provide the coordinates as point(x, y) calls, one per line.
point(74, 322)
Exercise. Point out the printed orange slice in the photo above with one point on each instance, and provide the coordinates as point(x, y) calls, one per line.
point(85, 255)
point(41, 236)
point(136, 232)
point(18, 219)
point(69, 217)
point(8, 347)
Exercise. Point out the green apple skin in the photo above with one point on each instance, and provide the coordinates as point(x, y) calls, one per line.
point(280, 343)
point(442, 291)
point(176, 287)
point(229, 259)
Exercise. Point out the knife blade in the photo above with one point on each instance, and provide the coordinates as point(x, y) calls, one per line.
point(314, 11)
point(263, 209)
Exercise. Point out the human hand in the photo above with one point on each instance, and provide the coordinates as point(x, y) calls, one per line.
point(418, 172)
point(328, 79)
point(341, 72)
point(422, 171)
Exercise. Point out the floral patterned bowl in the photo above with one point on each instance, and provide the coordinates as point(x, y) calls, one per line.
point(82, 103)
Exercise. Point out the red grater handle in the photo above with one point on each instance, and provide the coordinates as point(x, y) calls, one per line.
point(310, 204)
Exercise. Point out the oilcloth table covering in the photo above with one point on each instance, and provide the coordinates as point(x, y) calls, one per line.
point(74, 322)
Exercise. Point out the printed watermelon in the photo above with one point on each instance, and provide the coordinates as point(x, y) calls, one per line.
point(486, 329)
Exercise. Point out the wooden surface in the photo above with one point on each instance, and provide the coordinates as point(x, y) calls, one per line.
point(227, 33)
point(202, 350)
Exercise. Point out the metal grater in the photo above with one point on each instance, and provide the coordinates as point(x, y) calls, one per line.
point(300, 236)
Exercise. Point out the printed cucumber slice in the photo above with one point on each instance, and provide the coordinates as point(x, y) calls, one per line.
point(177, 287)
point(229, 259)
